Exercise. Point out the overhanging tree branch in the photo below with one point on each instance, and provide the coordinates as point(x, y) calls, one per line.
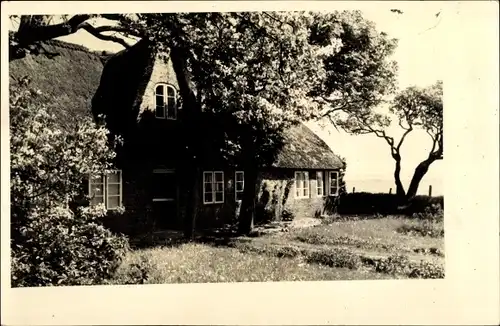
point(95, 32)
point(37, 28)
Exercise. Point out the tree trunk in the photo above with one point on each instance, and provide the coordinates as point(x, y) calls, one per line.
point(400, 191)
point(247, 211)
point(192, 202)
point(192, 111)
point(418, 175)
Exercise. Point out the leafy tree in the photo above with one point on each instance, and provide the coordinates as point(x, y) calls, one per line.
point(253, 70)
point(53, 240)
point(414, 108)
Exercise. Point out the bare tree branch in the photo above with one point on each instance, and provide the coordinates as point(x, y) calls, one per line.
point(95, 32)
point(403, 138)
point(119, 29)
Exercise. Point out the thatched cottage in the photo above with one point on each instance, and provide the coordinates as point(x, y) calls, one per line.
point(139, 95)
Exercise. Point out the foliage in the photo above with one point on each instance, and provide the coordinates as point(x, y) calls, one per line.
point(371, 235)
point(385, 204)
point(335, 257)
point(431, 225)
point(287, 215)
point(288, 251)
point(401, 265)
point(205, 263)
point(361, 75)
point(433, 212)
point(48, 162)
point(53, 240)
point(396, 264)
point(62, 247)
point(427, 270)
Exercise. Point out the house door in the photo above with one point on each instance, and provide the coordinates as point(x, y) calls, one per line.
point(164, 197)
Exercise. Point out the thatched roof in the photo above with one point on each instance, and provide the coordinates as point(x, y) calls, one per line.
point(66, 74)
point(304, 149)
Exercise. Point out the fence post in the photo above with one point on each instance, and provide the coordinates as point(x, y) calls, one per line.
point(353, 189)
point(390, 191)
point(430, 190)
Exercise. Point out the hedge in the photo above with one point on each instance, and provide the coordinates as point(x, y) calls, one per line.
point(385, 204)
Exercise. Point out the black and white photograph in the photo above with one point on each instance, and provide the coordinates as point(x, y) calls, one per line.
point(151, 148)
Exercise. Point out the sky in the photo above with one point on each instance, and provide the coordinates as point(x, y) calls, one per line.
point(369, 164)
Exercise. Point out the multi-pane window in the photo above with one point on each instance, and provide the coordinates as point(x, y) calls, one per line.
point(213, 187)
point(166, 102)
point(319, 184)
point(334, 183)
point(301, 184)
point(239, 184)
point(106, 189)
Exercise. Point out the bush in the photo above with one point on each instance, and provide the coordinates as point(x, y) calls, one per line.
point(335, 257)
point(63, 248)
point(425, 228)
point(420, 204)
point(427, 270)
point(55, 242)
point(397, 264)
point(434, 212)
point(431, 223)
point(287, 216)
point(288, 251)
point(401, 265)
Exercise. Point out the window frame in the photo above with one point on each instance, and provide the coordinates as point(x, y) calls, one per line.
point(305, 180)
point(214, 187)
point(166, 99)
point(320, 173)
point(330, 173)
point(236, 191)
point(105, 185)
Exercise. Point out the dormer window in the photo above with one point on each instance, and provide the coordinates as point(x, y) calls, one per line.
point(166, 102)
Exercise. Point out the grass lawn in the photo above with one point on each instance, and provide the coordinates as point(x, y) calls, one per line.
point(383, 236)
point(342, 250)
point(201, 263)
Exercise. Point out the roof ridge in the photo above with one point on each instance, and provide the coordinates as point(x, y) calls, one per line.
point(76, 47)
